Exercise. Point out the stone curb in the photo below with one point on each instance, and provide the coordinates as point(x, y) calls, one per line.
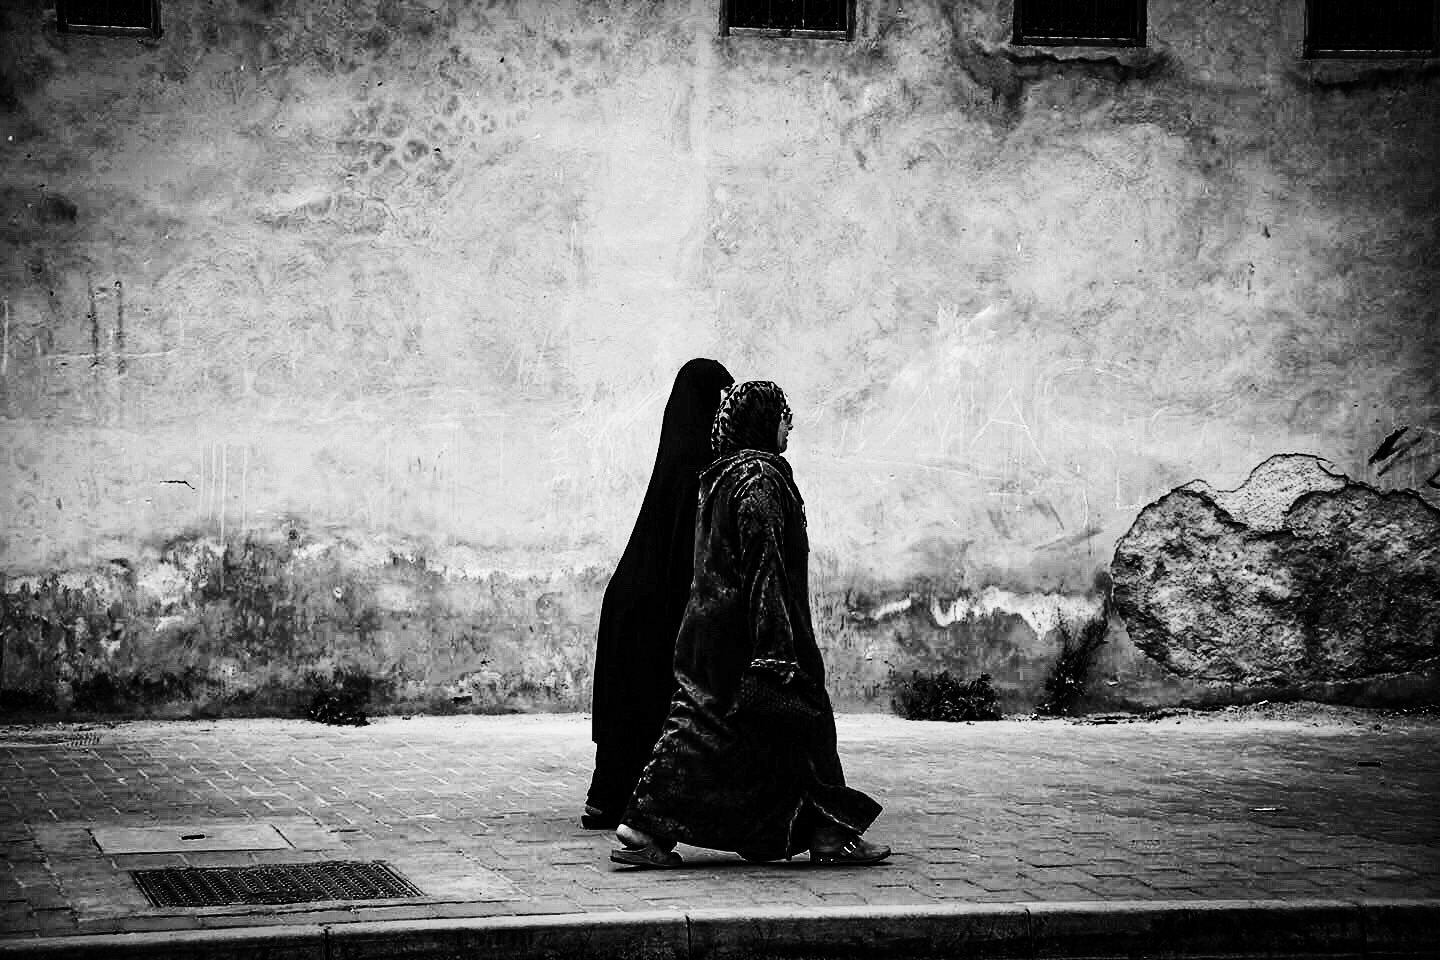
point(1183, 928)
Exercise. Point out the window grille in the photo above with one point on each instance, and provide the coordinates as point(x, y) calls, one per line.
point(1100, 23)
point(1372, 28)
point(116, 17)
point(813, 19)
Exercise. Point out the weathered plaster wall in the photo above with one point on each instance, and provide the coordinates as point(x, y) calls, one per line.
point(265, 625)
point(413, 279)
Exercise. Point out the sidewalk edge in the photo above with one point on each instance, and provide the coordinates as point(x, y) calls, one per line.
point(1208, 928)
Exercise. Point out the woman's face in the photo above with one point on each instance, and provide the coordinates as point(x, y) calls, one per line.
point(782, 435)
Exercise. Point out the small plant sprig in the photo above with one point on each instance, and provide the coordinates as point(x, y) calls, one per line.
point(341, 699)
point(942, 697)
point(1066, 682)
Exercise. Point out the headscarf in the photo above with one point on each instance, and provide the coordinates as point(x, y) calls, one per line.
point(749, 418)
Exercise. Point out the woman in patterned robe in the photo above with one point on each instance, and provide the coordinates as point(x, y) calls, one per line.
point(747, 759)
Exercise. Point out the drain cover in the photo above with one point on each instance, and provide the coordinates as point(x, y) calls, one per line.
point(273, 883)
point(183, 838)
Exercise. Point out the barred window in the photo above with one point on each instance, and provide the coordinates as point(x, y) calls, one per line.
point(814, 19)
point(122, 17)
point(1372, 28)
point(1102, 23)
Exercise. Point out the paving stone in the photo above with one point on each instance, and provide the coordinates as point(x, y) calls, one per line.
point(148, 861)
point(46, 898)
point(943, 890)
point(19, 851)
point(1048, 811)
point(55, 920)
point(1056, 875)
point(167, 922)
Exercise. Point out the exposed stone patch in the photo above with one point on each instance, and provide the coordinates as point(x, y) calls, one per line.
point(1272, 488)
point(1298, 576)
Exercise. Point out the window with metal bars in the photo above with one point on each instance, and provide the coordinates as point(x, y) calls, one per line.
point(1372, 28)
point(1100, 23)
point(117, 17)
point(813, 19)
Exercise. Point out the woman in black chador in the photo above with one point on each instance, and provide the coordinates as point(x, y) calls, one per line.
point(640, 615)
point(747, 761)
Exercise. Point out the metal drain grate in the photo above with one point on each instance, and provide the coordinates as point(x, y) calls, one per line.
point(273, 883)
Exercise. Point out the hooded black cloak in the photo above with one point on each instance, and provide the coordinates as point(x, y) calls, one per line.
point(645, 600)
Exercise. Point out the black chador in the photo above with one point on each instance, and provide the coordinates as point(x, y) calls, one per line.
point(646, 598)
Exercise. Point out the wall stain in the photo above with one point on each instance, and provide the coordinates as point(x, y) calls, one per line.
point(56, 208)
point(259, 625)
point(1370, 79)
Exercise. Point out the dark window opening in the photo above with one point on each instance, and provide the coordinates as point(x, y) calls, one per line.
point(114, 17)
point(817, 19)
point(1099, 23)
point(1372, 28)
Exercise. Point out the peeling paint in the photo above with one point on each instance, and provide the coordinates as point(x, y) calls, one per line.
point(886, 610)
point(1042, 612)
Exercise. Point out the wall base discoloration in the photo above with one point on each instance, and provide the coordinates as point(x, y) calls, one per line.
point(257, 627)
point(261, 626)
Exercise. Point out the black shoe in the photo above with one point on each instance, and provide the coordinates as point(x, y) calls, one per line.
point(596, 819)
point(859, 852)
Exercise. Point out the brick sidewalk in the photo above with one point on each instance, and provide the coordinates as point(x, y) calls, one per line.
point(482, 814)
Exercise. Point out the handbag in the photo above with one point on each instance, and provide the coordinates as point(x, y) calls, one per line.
point(774, 693)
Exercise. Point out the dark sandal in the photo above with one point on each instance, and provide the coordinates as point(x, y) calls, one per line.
point(647, 857)
point(858, 852)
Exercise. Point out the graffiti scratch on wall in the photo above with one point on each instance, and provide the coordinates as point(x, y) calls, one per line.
point(1417, 447)
point(217, 506)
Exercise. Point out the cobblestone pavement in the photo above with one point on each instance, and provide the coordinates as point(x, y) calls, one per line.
point(481, 813)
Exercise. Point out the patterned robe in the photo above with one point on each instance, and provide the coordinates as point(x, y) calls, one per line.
point(720, 777)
